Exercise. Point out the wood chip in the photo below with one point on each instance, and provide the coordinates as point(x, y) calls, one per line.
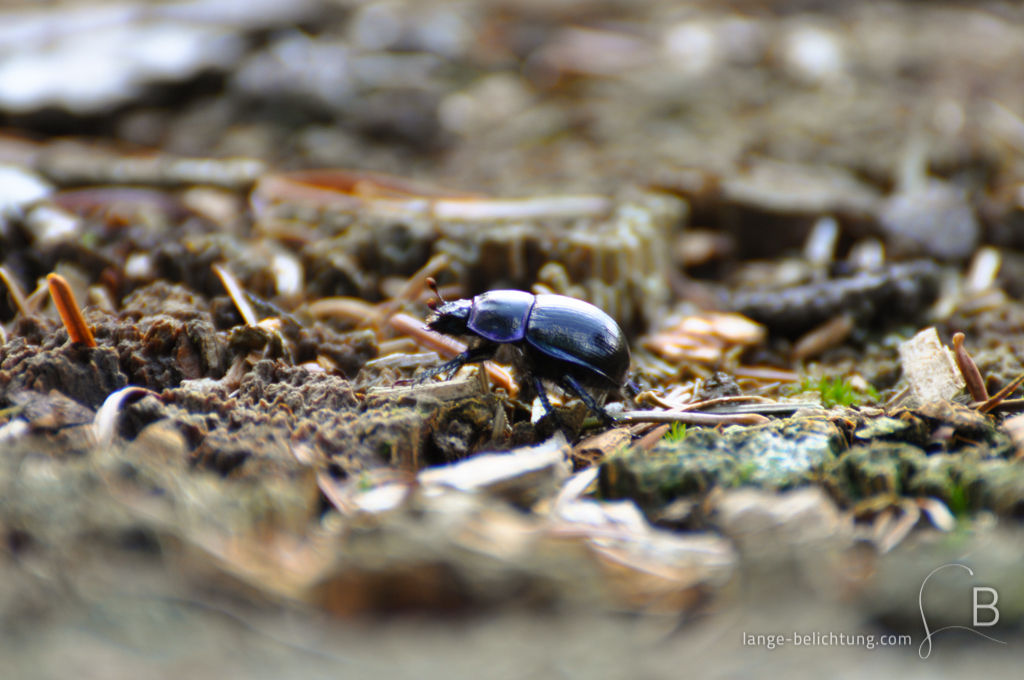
point(929, 367)
point(593, 450)
point(521, 476)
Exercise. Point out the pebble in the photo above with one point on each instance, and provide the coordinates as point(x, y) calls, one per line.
point(813, 55)
point(935, 219)
point(19, 188)
point(93, 71)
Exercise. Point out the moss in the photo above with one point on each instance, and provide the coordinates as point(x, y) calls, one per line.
point(935, 477)
point(995, 485)
point(836, 391)
point(778, 455)
point(878, 468)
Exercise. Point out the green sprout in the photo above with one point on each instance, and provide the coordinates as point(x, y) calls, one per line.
point(835, 391)
point(676, 433)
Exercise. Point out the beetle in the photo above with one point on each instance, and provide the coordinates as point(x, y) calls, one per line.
point(557, 338)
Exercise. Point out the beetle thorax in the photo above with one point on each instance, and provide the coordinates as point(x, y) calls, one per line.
point(502, 315)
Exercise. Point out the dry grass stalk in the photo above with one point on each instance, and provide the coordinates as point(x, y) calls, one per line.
point(237, 294)
point(15, 291)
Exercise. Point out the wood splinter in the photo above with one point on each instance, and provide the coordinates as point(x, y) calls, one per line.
point(69, 311)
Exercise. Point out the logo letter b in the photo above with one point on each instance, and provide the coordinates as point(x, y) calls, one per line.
point(991, 605)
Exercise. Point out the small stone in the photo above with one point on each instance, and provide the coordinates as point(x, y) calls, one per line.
point(813, 55)
point(717, 386)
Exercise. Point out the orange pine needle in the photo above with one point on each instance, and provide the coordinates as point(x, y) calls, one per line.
point(69, 311)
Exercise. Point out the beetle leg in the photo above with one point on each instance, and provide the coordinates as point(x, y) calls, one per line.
point(538, 385)
point(570, 384)
point(473, 355)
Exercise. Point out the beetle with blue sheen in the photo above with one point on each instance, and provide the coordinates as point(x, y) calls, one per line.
point(560, 339)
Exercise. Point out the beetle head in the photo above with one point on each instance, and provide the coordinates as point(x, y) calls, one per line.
point(451, 318)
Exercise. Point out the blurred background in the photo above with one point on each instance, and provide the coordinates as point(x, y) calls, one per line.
point(761, 115)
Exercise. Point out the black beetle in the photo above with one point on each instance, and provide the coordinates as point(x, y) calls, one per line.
point(567, 341)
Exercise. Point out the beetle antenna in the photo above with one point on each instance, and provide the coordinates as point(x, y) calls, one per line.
point(432, 285)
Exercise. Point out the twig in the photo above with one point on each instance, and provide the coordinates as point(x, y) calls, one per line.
point(652, 398)
point(783, 408)
point(690, 418)
point(1006, 406)
point(1001, 395)
point(738, 399)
